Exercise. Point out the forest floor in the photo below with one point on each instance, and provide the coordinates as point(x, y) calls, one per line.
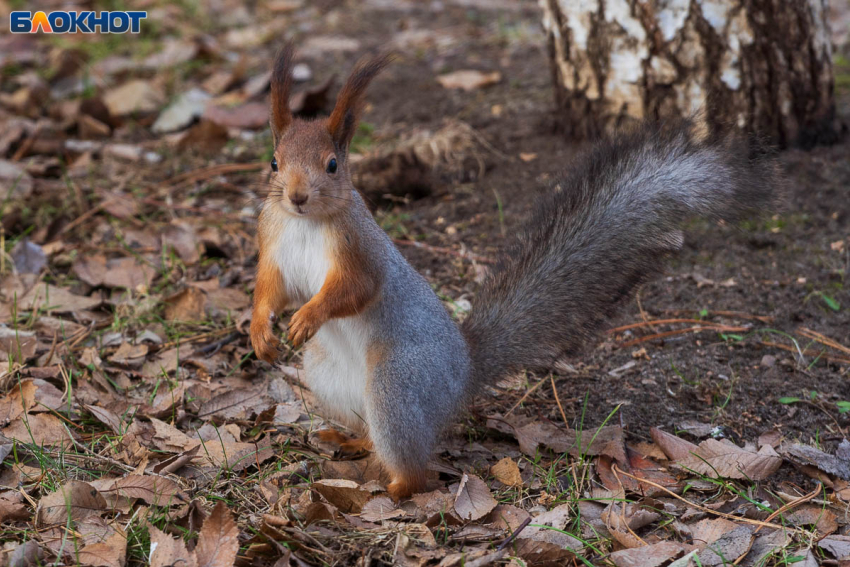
point(707, 427)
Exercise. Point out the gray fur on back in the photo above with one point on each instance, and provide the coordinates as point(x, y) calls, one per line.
point(606, 229)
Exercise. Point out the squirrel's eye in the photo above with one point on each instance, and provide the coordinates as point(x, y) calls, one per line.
point(332, 166)
point(274, 164)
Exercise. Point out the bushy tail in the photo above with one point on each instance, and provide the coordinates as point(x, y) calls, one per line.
point(605, 230)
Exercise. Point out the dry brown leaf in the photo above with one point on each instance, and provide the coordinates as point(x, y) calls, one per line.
point(468, 79)
point(675, 448)
point(725, 459)
point(164, 363)
point(157, 490)
point(128, 273)
point(19, 400)
point(379, 509)
point(473, 499)
point(837, 545)
point(648, 556)
point(181, 237)
point(708, 531)
point(729, 547)
point(167, 551)
point(233, 404)
point(39, 429)
point(108, 553)
point(346, 495)
point(218, 541)
point(186, 305)
point(12, 506)
point(812, 515)
point(90, 269)
point(55, 299)
point(79, 499)
point(507, 472)
point(107, 417)
point(130, 355)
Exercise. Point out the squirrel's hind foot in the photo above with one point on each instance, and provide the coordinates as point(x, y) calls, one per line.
point(346, 446)
point(405, 485)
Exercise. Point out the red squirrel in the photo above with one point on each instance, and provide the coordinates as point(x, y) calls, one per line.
point(382, 353)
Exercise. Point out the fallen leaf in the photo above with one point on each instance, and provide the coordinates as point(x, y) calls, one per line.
point(379, 509)
point(186, 305)
point(507, 472)
point(812, 515)
point(167, 551)
point(28, 257)
point(649, 555)
point(837, 545)
point(251, 115)
point(55, 299)
point(76, 499)
point(108, 553)
point(135, 96)
point(217, 543)
point(831, 464)
point(39, 429)
point(157, 490)
point(469, 80)
point(725, 459)
point(346, 495)
point(473, 499)
point(130, 355)
point(12, 506)
point(675, 448)
point(728, 548)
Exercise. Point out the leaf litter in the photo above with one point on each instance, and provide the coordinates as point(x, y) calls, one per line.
point(137, 428)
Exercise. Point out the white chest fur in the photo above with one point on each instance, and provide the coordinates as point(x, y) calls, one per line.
point(335, 359)
point(303, 256)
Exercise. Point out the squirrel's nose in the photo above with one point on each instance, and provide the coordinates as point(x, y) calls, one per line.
point(298, 199)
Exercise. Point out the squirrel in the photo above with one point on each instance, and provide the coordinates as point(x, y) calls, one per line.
point(382, 353)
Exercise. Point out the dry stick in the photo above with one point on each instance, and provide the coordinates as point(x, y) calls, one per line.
point(207, 172)
point(739, 314)
point(655, 322)
point(719, 328)
point(782, 509)
point(617, 469)
point(557, 399)
point(623, 521)
point(80, 219)
point(522, 399)
point(514, 535)
point(443, 250)
point(807, 352)
point(810, 334)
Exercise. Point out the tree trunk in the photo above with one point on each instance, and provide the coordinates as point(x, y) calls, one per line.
point(762, 65)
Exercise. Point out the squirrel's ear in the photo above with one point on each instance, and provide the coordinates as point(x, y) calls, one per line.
point(281, 82)
point(343, 120)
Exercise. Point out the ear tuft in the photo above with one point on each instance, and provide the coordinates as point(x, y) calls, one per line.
point(343, 120)
point(281, 83)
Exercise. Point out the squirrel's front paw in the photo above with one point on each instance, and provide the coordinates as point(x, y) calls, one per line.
point(303, 326)
point(263, 339)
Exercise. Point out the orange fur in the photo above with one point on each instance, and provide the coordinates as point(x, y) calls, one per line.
point(343, 120)
point(348, 446)
point(406, 483)
point(269, 300)
point(281, 83)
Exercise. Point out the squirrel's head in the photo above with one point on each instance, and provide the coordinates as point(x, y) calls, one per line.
point(310, 168)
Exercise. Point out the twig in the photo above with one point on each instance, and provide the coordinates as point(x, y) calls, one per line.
point(738, 314)
point(793, 504)
point(653, 323)
point(558, 400)
point(824, 340)
point(207, 172)
point(706, 327)
point(514, 535)
point(443, 250)
point(807, 352)
point(522, 399)
point(214, 347)
point(617, 469)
